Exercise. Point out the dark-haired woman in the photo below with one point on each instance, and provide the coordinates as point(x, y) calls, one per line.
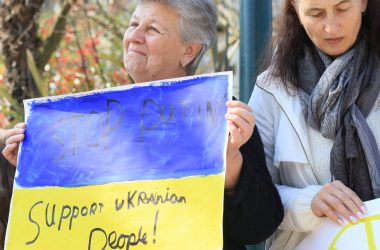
point(318, 112)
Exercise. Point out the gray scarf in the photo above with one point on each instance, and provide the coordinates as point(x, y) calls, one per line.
point(338, 95)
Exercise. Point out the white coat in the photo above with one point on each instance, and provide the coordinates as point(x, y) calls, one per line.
point(284, 132)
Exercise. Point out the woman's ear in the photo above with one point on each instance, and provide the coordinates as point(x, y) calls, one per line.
point(191, 51)
point(364, 5)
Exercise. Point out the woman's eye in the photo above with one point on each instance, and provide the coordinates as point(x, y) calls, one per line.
point(154, 29)
point(133, 24)
point(316, 14)
point(343, 7)
point(342, 10)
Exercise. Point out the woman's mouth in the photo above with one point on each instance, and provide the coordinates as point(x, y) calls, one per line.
point(136, 51)
point(334, 41)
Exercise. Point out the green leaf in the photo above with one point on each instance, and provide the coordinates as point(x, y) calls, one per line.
point(41, 85)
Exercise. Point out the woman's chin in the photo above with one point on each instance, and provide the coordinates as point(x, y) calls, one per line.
point(135, 71)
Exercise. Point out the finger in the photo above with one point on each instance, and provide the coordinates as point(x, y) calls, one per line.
point(341, 202)
point(13, 131)
point(244, 127)
point(328, 212)
point(359, 204)
point(243, 113)
point(235, 136)
point(15, 139)
point(337, 205)
point(20, 125)
point(10, 153)
point(11, 149)
point(346, 195)
point(236, 104)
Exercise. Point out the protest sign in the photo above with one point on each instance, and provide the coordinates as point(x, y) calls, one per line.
point(363, 235)
point(133, 167)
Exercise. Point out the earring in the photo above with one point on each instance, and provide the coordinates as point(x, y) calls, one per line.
point(183, 64)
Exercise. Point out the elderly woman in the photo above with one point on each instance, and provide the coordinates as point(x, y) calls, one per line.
point(318, 111)
point(167, 39)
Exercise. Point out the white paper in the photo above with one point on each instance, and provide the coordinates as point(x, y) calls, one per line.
point(363, 235)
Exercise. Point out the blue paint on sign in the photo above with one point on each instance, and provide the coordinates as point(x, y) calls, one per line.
point(161, 130)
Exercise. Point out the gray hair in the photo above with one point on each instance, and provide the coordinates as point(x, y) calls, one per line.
point(197, 23)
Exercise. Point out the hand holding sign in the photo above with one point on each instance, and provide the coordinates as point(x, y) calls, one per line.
point(364, 234)
point(13, 138)
point(124, 168)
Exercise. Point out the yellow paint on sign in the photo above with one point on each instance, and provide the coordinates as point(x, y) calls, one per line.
point(368, 232)
point(165, 214)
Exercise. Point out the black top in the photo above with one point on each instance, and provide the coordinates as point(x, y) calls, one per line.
point(255, 210)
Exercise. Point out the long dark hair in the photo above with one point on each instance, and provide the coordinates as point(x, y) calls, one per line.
point(290, 38)
point(7, 173)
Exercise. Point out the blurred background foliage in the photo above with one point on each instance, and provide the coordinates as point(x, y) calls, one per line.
point(54, 47)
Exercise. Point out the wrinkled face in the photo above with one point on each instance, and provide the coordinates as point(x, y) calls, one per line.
point(153, 47)
point(332, 25)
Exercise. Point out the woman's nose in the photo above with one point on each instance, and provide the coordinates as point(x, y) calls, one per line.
point(136, 35)
point(331, 25)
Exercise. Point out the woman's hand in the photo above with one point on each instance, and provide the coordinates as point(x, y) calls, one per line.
point(336, 199)
point(240, 124)
point(13, 138)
